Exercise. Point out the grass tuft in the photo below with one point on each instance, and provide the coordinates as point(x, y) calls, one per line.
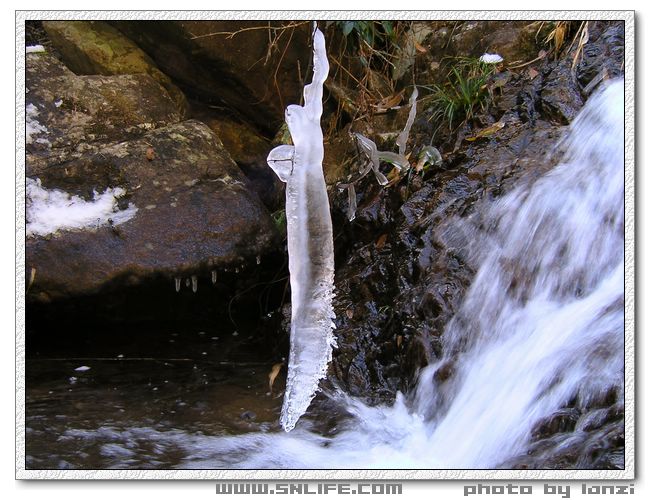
point(464, 91)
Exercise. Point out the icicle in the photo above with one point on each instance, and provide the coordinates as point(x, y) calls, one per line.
point(214, 276)
point(404, 134)
point(309, 242)
point(177, 284)
point(352, 202)
point(195, 284)
point(258, 259)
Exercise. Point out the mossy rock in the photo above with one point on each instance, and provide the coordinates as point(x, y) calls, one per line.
point(96, 48)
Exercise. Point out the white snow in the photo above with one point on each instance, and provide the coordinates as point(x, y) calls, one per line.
point(82, 368)
point(33, 126)
point(34, 49)
point(491, 58)
point(49, 211)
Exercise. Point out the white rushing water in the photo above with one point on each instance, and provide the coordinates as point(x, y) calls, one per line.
point(542, 324)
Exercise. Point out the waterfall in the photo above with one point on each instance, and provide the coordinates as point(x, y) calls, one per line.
point(541, 326)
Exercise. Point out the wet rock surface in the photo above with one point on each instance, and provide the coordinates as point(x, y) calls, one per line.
point(402, 267)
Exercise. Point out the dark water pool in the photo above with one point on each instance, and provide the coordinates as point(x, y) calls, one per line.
point(142, 400)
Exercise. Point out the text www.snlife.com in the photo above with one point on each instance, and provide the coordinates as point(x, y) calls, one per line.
point(259, 488)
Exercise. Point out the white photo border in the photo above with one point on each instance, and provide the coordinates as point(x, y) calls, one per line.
point(326, 474)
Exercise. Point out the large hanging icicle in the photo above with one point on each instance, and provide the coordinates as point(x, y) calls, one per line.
point(310, 244)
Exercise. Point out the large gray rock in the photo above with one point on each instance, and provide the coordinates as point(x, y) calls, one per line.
point(194, 215)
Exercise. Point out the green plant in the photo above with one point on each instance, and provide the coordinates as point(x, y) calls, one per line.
point(374, 33)
point(464, 91)
point(280, 219)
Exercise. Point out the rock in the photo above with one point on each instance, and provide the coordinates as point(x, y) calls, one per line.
point(249, 149)
point(96, 48)
point(242, 65)
point(68, 112)
point(194, 214)
point(339, 148)
point(561, 98)
point(406, 51)
point(412, 284)
point(603, 56)
point(561, 421)
point(41, 66)
point(514, 41)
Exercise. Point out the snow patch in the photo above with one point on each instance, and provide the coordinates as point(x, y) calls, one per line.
point(34, 49)
point(491, 58)
point(49, 211)
point(33, 126)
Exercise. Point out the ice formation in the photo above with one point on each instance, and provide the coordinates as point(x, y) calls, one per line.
point(310, 244)
point(49, 211)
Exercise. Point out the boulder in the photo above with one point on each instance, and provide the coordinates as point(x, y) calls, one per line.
point(96, 48)
point(249, 150)
point(194, 215)
point(66, 113)
point(561, 98)
point(602, 56)
point(42, 65)
point(250, 67)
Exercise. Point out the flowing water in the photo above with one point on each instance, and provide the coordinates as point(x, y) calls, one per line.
point(540, 329)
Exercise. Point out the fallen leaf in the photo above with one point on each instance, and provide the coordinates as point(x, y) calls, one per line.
point(560, 31)
point(32, 277)
point(532, 73)
point(419, 47)
point(390, 101)
point(399, 341)
point(584, 38)
point(150, 154)
point(349, 313)
point(487, 131)
point(381, 241)
point(273, 375)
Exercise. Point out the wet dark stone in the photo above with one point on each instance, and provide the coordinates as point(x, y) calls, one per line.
point(561, 97)
point(248, 415)
point(561, 421)
point(603, 54)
